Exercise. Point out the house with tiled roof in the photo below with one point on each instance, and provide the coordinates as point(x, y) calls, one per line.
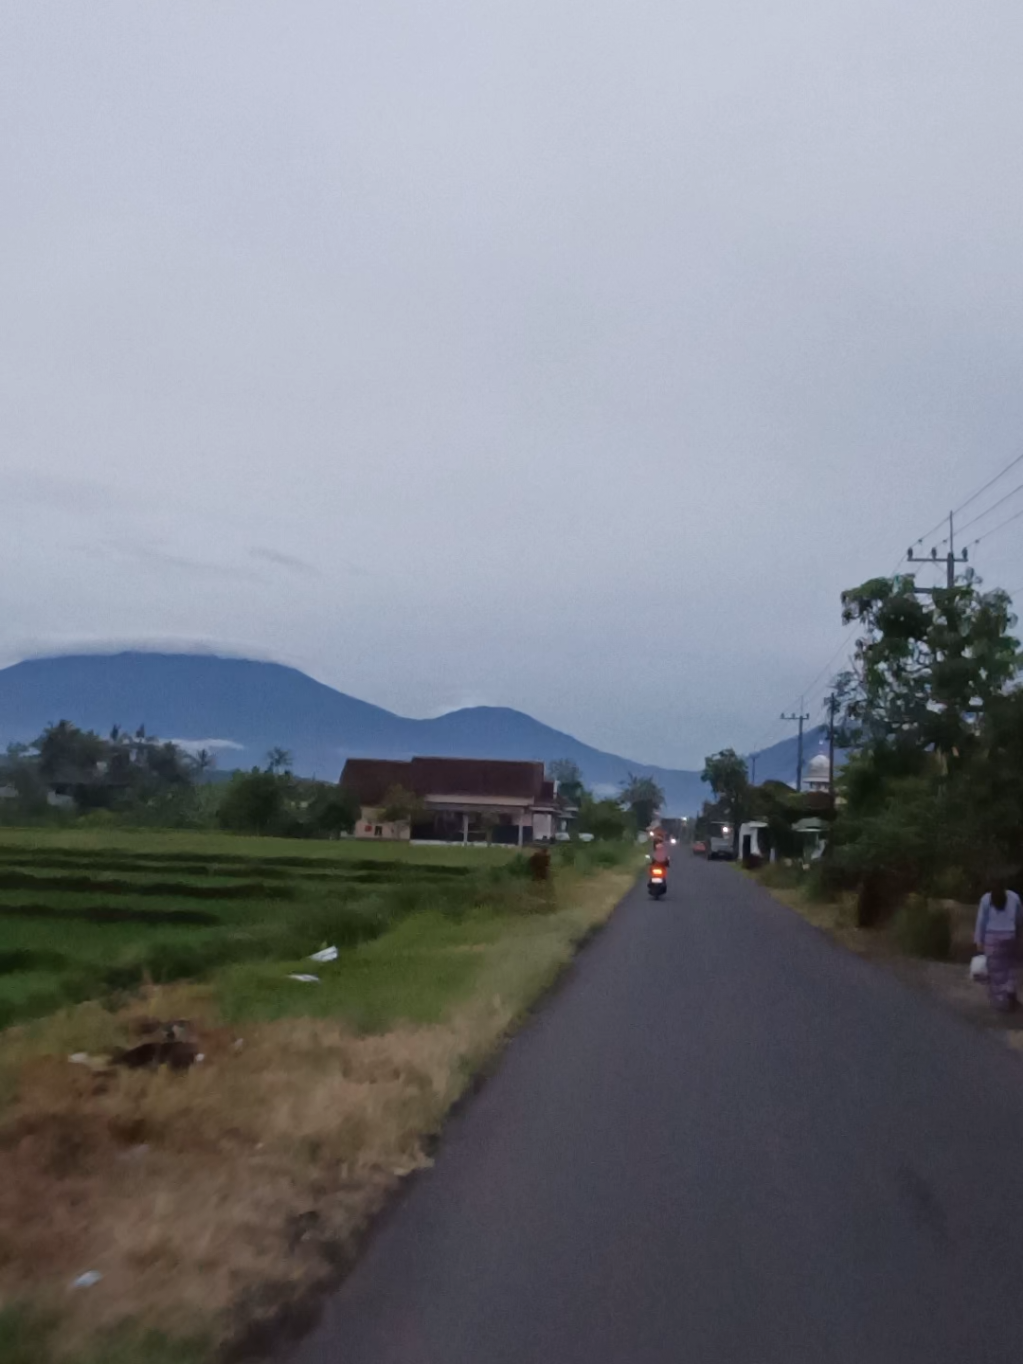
point(457, 800)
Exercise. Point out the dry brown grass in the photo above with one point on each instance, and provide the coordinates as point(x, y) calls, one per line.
point(215, 1196)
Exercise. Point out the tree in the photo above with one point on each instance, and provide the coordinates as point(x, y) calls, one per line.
point(333, 810)
point(926, 670)
point(931, 795)
point(279, 760)
point(400, 807)
point(643, 797)
point(67, 753)
point(604, 819)
point(569, 778)
point(254, 802)
point(728, 777)
point(205, 760)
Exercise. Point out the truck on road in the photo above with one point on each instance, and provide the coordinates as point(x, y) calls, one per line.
point(721, 841)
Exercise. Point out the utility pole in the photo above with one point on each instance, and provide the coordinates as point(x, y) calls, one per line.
point(832, 712)
point(950, 559)
point(800, 718)
point(753, 768)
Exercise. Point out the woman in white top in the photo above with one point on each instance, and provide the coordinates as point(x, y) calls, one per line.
point(999, 934)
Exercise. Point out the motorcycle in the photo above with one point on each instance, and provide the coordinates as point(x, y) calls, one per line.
point(657, 883)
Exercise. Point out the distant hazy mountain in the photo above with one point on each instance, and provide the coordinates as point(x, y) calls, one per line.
point(242, 708)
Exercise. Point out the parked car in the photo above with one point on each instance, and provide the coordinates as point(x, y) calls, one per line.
point(699, 848)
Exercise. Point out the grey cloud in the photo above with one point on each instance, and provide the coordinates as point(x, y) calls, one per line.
point(158, 557)
point(63, 492)
point(275, 556)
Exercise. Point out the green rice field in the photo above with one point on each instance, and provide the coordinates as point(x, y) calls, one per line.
point(91, 913)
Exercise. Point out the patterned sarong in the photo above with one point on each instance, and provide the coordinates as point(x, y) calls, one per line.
point(1002, 970)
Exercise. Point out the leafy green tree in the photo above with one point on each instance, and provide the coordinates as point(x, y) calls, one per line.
point(333, 810)
point(727, 776)
point(401, 807)
point(926, 669)
point(643, 797)
point(604, 819)
point(205, 760)
point(253, 802)
point(569, 777)
point(279, 760)
point(67, 753)
point(930, 795)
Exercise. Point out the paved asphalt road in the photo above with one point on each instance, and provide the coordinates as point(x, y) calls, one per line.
point(723, 1141)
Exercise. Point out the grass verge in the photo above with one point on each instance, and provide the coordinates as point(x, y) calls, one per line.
point(224, 1196)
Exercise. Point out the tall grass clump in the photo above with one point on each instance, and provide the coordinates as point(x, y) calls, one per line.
point(923, 930)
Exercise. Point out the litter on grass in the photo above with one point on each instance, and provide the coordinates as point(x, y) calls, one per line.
point(328, 954)
point(306, 980)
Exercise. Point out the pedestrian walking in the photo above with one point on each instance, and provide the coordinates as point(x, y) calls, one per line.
point(999, 935)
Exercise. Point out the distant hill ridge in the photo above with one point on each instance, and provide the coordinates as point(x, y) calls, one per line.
point(244, 707)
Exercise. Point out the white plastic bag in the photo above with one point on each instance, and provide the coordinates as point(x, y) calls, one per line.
point(978, 968)
point(328, 954)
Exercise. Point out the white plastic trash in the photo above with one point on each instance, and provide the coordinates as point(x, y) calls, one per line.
point(306, 980)
point(978, 968)
point(89, 1279)
point(328, 954)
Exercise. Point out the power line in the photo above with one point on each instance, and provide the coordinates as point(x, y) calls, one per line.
point(990, 484)
point(971, 499)
point(987, 512)
point(995, 529)
point(841, 649)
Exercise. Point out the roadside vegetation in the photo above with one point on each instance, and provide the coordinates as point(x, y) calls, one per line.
point(226, 1192)
point(929, 802)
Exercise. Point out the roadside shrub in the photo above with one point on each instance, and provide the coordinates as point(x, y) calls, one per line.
point(781, 875)
point(818, 885)
point(952, 883)
point(519, 865)
point(23, 1335)
point(922, 930)
point(540, 865)
point(610, 854)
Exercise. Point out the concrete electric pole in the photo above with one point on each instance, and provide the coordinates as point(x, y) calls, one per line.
point(950, 558)
point(800, 718)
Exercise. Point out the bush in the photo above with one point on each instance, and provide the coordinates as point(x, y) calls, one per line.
point(952, 884)
point(782, 875)
point(921, 930)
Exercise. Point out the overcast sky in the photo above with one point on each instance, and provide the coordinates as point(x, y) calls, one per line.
point(570, 355)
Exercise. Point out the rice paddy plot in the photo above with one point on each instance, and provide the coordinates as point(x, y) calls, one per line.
point(85, 914)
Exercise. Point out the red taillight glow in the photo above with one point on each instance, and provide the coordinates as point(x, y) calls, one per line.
point(657, 873)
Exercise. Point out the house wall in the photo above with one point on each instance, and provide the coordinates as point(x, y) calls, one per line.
point(544, 826)
point(370, 826)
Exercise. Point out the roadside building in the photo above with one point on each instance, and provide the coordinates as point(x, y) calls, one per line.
point(457, 800)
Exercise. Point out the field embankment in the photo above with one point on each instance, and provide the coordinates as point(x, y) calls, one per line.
point(224, 1193)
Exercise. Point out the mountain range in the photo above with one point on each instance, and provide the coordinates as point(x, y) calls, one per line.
point(240, 708)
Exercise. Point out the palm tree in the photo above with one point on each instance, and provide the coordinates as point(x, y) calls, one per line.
point(204, 760)
point(278, 760)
